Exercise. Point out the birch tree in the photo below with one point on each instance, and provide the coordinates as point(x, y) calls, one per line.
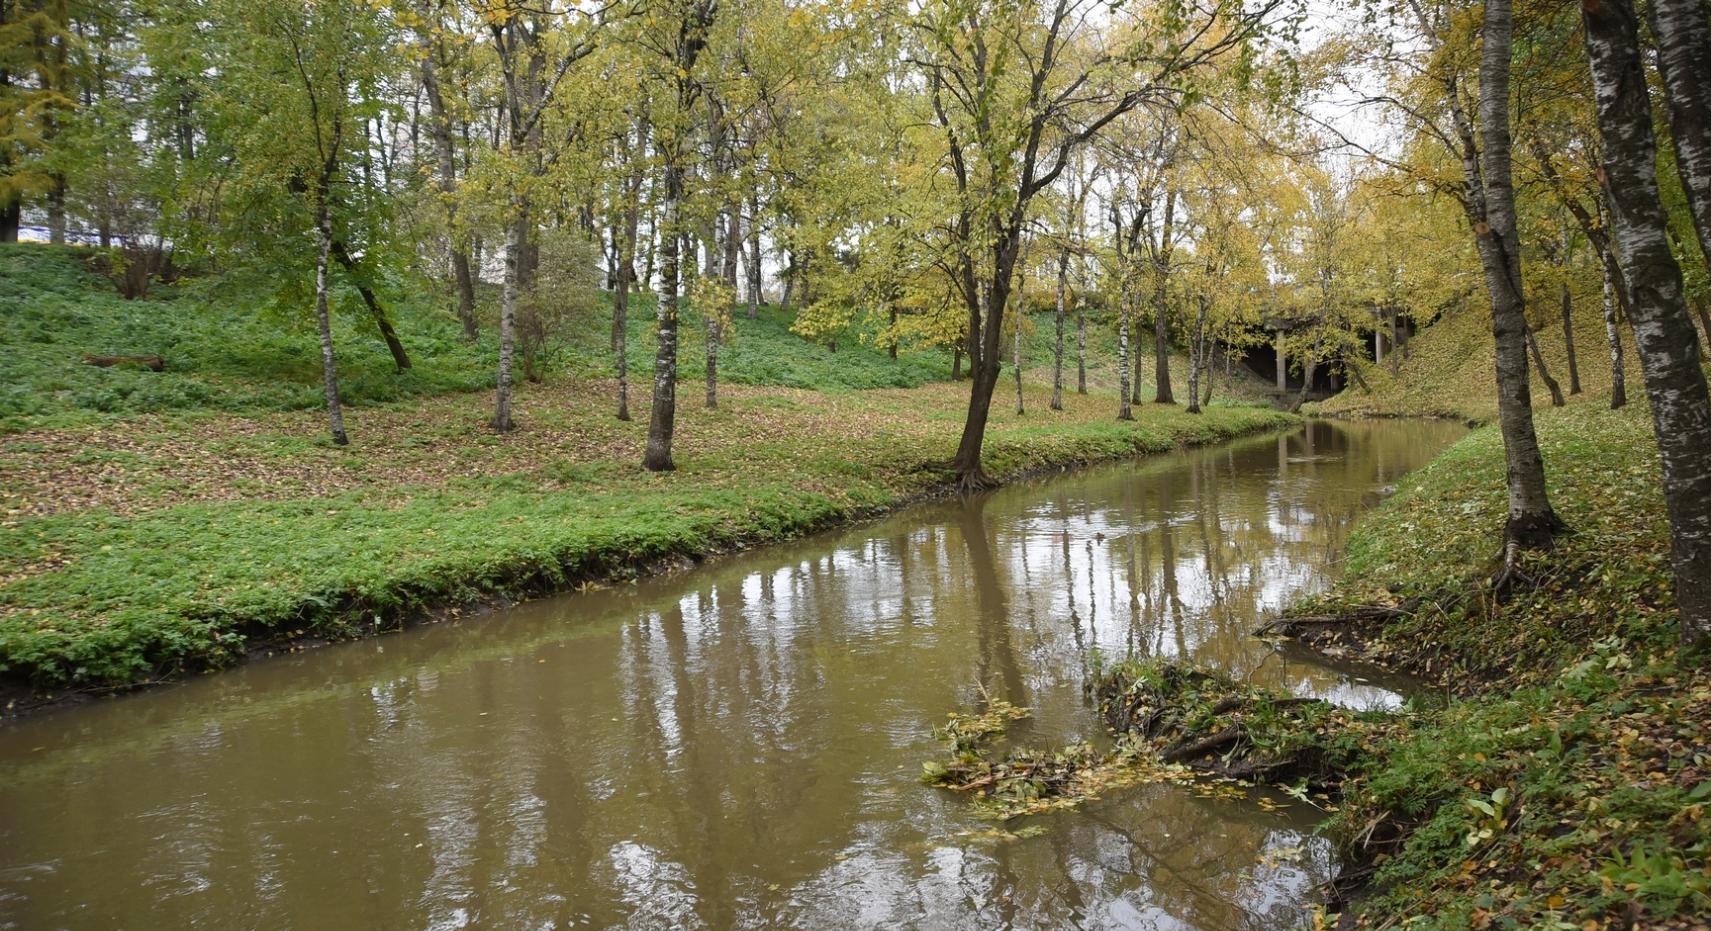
point(1664, 334)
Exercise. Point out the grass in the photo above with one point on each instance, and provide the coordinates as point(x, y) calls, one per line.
point(178, 528)
point(1567, 784)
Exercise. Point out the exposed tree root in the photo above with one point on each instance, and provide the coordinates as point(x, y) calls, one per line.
point(1509, 574)
point(1293, 626)
point(1213, 725)
point(1173, 723)
point(975, 481)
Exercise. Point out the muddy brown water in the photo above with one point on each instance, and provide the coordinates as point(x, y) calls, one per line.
point(735, 745)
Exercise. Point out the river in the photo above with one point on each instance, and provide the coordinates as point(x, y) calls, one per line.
point(735, 745)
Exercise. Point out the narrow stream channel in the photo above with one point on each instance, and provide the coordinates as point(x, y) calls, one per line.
point(732, 746)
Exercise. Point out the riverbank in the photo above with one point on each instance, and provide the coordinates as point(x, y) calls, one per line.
point(1566, 782)
point(141, 550)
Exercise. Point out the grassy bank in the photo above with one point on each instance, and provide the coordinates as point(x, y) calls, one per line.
point(153, 523)
point(1567, 784)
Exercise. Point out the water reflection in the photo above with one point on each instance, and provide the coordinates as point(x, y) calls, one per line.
point(734, 746)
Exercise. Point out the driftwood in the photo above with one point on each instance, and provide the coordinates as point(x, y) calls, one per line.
point(152, 363)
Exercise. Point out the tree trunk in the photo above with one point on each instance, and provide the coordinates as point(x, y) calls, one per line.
point(983, 376)
point(714, 328)
point(1683, 32)
point(1195, 350)
point(1016, 361)
point(1016, 336)
point(733, 244)
point(1136, 362)
point(755, 270)
point(1208, 371)
point(1568, 340)
point(1161, 313)
point(465, 280)
point(1544, 373)
point(1618, 372)
point(56, 209)
point(657, 458)
point(620, 337)
point(1663, 332)
point(447, 162)
point(508, 315)
point(789, 285)
point(11, 217)
point(956, 362)
point(983, 370)
point(1057, 344)
point(324, 322)
point(710, 251)
point(1282, 364)
point(1531, 522)
point(1397, 347)
point(650, 251)
point(1123, 410)
point(1080, 347)
point(1309, 367)
point(626, 280)
point(400, 358)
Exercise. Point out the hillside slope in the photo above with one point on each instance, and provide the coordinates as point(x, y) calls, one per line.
point(1449, 367)
point(227, 349)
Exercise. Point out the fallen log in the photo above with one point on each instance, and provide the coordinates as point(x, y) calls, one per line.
point(152, 363)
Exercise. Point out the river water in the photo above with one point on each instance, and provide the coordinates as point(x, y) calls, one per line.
point(735, 745)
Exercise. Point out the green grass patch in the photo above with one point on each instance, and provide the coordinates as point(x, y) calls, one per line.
point(227, 349)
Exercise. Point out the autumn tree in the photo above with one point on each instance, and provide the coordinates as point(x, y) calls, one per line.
point(1017, 89)
point(671, 41)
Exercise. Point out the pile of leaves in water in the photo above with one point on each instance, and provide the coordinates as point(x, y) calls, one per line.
point(1019, 780)
point(1173, 723)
